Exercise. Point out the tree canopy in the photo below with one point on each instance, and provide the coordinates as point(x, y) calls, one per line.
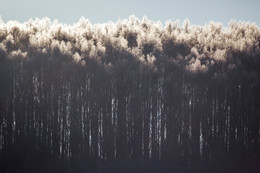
point(135, 95)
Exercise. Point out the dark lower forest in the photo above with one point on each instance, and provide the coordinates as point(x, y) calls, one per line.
point(132, 96)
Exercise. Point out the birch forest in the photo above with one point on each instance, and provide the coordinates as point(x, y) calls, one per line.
point(129, 96)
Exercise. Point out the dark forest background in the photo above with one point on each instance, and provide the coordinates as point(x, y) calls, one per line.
point(131, 96)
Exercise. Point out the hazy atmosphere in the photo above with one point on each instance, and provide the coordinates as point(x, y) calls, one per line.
point(198, 12)
point(101, 90)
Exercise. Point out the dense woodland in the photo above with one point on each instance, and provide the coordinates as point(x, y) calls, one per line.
point(130, 96)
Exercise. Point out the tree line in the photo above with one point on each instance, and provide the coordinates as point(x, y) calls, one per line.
point(129, 96)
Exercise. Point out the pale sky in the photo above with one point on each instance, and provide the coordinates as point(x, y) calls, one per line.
point(199, 12)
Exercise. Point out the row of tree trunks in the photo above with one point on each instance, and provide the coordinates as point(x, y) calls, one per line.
point(66, 111)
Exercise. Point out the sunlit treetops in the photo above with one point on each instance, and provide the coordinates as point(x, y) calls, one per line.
point(192, 48)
